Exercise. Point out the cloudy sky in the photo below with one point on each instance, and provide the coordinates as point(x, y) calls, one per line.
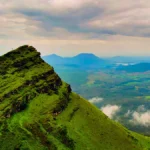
point(69, 27)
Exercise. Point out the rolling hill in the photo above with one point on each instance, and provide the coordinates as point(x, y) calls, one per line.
point(39, 111)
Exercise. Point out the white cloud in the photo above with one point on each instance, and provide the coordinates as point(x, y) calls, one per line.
point(120, 17)
point(96, 100)
point(69, 27)
point(141, 108)
point(124, 22)
point(111, 110)
point(141, 118)
point(128, 113)
point(68, 4)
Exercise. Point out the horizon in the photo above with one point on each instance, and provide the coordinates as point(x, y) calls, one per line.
point(66, 56)
point(63, 56)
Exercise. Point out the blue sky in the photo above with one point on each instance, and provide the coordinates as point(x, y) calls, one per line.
point(69, 27)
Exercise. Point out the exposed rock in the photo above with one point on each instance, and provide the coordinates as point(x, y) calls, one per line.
point(19, 65)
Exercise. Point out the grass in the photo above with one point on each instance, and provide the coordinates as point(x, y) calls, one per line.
point(39, 111)
point(147, 98)
point(90, 125)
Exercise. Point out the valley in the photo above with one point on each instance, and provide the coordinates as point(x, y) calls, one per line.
point(127, 90)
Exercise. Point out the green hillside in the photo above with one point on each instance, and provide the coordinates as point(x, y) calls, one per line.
point(38, 111)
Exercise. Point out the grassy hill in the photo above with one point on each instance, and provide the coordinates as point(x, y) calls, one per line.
point(39, 111)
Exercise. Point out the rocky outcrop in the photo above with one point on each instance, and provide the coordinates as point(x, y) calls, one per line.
point(24, 75)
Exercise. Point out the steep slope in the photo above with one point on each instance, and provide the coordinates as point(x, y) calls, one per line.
point(39, 111)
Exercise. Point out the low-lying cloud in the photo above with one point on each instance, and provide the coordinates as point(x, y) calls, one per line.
point(96, 100)
point(128, 113)
point(141, 116)
point(111, 110)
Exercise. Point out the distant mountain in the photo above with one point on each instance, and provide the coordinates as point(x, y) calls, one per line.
point(38, 111)
point(81, 60)
point(141, 67)
point(87, 59)
point(53, 59)
point(130, 59)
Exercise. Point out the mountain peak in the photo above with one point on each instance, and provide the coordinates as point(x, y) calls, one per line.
point(54, 55)
point(27, 76)
point(85, 55)
point(88, 60)
point(20, 52)
point(22, 49)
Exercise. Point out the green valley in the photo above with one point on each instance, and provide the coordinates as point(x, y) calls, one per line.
point(127, 90)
